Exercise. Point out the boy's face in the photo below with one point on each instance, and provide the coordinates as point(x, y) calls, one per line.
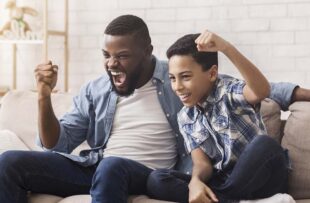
point(189, 81)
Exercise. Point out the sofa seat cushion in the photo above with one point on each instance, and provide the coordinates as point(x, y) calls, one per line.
point(297, 140)
point(10, 141)
point(39, 198)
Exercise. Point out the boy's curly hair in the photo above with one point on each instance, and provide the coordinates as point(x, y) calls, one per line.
point(186, 46)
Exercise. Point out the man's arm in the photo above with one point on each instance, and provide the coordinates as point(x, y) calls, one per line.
point(300, 94)
point(49, 129)
point(202, 171)
point(257, 87)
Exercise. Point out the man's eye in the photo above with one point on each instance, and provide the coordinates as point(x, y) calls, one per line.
point(106, 56)
point(123, 57)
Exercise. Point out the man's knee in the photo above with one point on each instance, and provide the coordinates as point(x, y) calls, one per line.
point(156, 180)
point(9, 161)
point(110, 168)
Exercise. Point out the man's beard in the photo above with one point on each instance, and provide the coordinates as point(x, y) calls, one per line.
point(132, 82)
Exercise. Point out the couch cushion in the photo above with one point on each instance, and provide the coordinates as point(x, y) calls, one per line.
point(40, 198)
point(19, 113)
point(297, 140)
point(271, 114)
point(10, 141)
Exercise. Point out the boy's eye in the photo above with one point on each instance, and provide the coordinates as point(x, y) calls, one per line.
point(186, 76)
point(171, 78)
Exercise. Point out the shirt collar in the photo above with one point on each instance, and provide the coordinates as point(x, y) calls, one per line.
point(215, 95)
point(160, 70)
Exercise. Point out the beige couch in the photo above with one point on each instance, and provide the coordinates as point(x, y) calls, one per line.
point(18, 124)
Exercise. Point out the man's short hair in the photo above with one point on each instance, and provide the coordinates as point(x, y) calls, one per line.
point(186, 46)
point(129, 25)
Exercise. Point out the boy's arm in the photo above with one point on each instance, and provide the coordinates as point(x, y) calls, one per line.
point(257, 87)
point(202, 171)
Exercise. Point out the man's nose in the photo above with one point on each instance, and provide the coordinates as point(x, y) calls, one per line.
point(112, 61)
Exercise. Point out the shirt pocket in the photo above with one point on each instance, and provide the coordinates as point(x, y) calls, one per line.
point(200, 136)
point(220, 124)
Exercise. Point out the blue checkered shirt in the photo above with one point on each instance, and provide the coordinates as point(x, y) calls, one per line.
point(224, 125)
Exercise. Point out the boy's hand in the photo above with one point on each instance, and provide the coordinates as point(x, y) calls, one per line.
point(210, 42)
point(200, 193)
point(46, 77)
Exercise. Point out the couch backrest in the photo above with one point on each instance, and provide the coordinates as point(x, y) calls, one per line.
point(297, 140)
point(19, 113)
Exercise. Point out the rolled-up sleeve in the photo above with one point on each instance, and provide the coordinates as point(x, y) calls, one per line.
point(74, 125)
point(282, 93)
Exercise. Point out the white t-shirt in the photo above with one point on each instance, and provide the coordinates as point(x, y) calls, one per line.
point(141, 131)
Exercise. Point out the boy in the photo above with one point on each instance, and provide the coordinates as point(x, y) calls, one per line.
point(220, 122)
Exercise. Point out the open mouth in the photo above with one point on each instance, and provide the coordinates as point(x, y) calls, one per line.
point(184, 97)
point(119, 78)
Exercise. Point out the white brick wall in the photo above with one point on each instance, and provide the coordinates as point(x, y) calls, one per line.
point(274, 34)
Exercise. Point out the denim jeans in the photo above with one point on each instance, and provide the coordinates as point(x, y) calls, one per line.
point(112, 180)
point(261, 171)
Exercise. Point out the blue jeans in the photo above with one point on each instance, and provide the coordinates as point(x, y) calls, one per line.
point(112, 180)
point(261, 171)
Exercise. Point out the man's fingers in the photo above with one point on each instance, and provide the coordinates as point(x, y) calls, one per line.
point(48, 81)
point(49, 74)
point(55, 68)
point(211, 195)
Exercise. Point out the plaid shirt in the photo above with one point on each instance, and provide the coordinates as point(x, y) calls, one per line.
point(224, 125)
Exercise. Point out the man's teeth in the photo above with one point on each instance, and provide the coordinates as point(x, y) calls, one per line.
point(115, 73)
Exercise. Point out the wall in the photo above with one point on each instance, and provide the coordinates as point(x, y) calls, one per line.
point(274, 34)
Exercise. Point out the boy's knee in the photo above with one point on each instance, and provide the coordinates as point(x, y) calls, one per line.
point(267, 142)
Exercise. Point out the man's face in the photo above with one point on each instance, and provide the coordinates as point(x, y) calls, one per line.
point(189, 81)
point(123, 62)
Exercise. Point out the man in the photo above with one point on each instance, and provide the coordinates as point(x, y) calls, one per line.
point(128, 118)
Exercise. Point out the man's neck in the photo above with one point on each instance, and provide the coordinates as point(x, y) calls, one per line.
point(148, 72)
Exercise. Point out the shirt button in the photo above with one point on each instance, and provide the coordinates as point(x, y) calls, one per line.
point(183, 155)
point(167, 114)
point(162, 81)
point(176, 135)
point(159, 93)
point(154, 81)
point(187, 172)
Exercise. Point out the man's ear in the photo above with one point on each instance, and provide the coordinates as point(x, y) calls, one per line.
point(213, 71)
point(149, 50)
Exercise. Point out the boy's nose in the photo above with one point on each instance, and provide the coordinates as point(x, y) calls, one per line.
point(178, 85)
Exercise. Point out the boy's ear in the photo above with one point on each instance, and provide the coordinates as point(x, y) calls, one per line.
point(213, 73)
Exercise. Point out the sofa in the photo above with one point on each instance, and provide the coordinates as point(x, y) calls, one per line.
point(18, 128)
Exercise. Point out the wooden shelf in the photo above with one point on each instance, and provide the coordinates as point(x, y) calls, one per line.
point(4, 41)
point(44, 43)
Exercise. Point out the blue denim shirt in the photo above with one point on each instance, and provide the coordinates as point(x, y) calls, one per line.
point(93, 110)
